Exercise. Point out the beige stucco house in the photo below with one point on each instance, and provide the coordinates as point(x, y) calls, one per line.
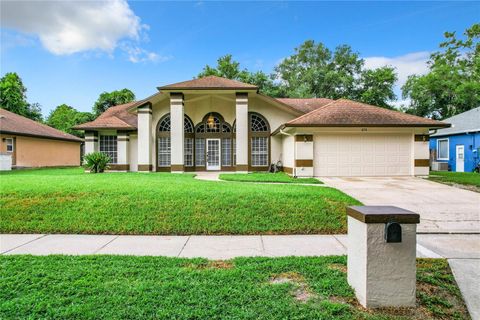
point(217, 124)
point(33, 144)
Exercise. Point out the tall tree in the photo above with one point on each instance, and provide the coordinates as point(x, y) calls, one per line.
point(315, 71)
point(110, 99)
point(228, 68)
point(64, 117)
point(13, 97)
point(452, 85)
point(376, 87)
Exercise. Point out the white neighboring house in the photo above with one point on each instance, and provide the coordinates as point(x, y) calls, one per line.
point(217, 124)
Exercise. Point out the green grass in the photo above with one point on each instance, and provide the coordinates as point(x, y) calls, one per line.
point(122, 287)
point(463, 178)
point(71, 201)
point(279, 177)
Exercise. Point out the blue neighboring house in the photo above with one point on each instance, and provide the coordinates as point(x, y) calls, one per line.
point(458, 145)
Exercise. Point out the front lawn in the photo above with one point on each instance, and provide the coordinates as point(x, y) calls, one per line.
point(71, 201)
point(279, 177)
point(122, 287)
point(461, 178)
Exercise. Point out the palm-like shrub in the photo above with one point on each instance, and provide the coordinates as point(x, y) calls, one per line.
point(96, 161)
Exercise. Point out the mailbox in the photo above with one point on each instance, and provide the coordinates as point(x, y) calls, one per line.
point(393, 232)
point(381, 255)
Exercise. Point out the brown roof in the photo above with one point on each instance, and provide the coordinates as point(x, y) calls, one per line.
point(347, 113)
point(210, 82)
point(13, 123)
point(305, 105)
point(116, 117)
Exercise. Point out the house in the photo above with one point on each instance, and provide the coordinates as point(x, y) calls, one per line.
point(32, 144)
point(219, 124)
point(459, 145)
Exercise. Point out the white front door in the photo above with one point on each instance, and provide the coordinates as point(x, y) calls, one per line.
point(213, 154)
point(460, 156)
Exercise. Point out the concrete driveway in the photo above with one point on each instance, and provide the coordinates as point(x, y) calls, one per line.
point(442, 209)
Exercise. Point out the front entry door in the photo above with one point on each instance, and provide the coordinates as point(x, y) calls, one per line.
point(213, 154)
point(460, 156)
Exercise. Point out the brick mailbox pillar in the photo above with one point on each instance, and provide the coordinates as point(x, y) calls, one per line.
point(381, 255)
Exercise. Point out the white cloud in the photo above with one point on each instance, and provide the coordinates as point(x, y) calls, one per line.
point(136, 54)
point(411, 63)
point(67, 27)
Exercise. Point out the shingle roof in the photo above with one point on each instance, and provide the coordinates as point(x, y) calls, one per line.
point(468, 121)
point(210, 82)
point(305, 105)
point(13, 123)
point(347, 113)
point(116, 117)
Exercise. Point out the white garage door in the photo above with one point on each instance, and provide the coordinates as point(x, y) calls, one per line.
point(363, 155)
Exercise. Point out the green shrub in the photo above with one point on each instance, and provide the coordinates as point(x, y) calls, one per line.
point(96, 161)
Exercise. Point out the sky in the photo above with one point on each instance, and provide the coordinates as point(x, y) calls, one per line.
point(71, 51)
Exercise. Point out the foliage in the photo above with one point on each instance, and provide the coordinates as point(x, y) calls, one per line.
point(110, 99)
point(13, 97)
point(376, 87)
point(230, 69)
point(315, 71)
point(452, 85)
point(64, 117)
point(96, 162)
point(129, 287)
point(279, 177)
point(437, 290)
point(71, 201)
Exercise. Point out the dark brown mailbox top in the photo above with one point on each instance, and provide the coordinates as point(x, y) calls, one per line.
point(382, 214)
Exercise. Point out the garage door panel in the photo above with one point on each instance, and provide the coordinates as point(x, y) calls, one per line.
point(362, 155)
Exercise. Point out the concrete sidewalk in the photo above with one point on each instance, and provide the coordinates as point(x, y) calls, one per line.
point(210, 247)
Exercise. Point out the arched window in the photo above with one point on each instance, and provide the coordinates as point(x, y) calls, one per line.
point(213, 126)
point(226, 128)
point(164, 124)
point(200, 128)
point(259, 140)
point(188, 142)
point(258, 123)
point(187, 125)
point(163, 141)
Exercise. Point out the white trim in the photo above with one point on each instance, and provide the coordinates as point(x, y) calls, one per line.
point(442, 134)
point(11, 144)
point(448, 149)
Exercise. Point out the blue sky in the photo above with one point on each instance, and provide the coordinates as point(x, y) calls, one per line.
point(70, 52)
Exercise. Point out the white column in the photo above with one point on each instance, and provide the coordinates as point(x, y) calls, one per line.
point(91, 141)
point(421, 152)
point(176, 131)
point(241, 109)
point(145, 138)
point(122, 150)
point(304, 155)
